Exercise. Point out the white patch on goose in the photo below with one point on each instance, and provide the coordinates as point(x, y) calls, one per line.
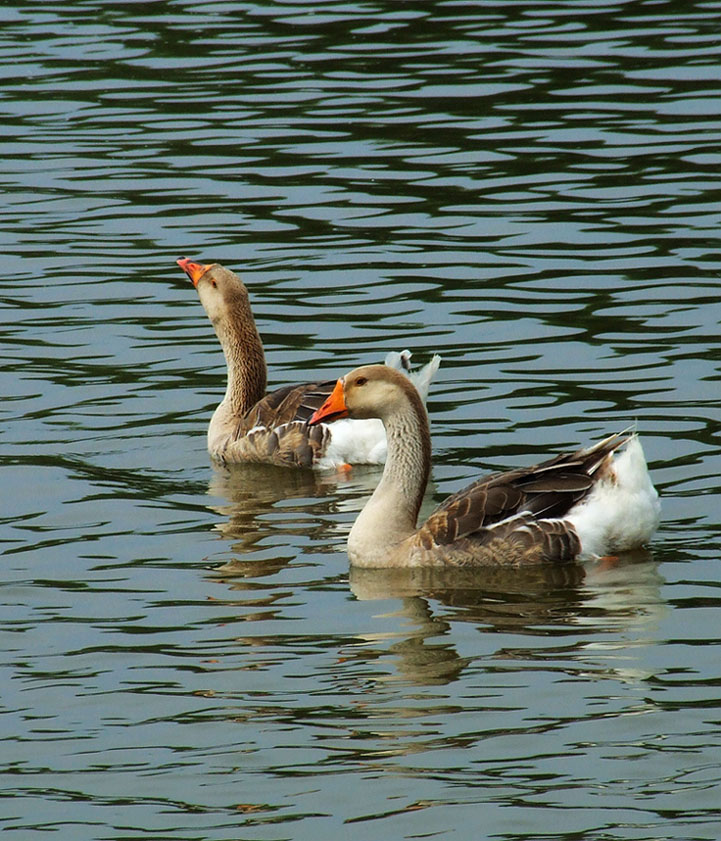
point(355, 442)
point(421, 379)
point(622, 511)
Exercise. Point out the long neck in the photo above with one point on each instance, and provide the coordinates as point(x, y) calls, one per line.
point(244, 356)
point(390, 514)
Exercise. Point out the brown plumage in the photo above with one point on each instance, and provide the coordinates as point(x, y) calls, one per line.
point(250, 425)
point(585, 502)
point(275, 429)
point(545, 492)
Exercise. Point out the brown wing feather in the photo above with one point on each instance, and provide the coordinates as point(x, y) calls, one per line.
point(292, 403)
point(275, 429)
point(545, 491)
point(538, 540)
point(517, 541)
point(293, 444)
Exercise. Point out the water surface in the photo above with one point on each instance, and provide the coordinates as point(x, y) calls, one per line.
point(529, 189)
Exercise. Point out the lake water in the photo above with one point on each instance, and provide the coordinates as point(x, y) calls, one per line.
point(529, 189)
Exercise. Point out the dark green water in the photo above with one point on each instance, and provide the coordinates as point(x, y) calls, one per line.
point(529, 189)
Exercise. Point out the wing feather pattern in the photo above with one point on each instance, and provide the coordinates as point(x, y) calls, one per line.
point(276, 428)
point(521, 508)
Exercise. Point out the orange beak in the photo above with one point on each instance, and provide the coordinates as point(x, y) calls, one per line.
point(194, 270)
point(334, 407)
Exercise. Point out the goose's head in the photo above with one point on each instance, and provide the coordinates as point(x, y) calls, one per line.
point(372, 391)
point(221, 291)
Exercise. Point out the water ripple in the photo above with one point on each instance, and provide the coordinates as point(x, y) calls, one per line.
point(528, 189)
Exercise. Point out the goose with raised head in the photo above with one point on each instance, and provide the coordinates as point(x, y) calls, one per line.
point(255, 426)
point(584, 504)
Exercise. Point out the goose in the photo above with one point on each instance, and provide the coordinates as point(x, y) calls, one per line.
point(251, 425)
point(579, 505)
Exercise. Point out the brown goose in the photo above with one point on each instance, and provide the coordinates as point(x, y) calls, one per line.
point(250, 425)
point(576, 505)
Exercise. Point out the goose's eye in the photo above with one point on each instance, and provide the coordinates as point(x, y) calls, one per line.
point(214, 284)
point(361, 381)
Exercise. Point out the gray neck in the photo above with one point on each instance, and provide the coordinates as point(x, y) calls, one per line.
point(390, 514)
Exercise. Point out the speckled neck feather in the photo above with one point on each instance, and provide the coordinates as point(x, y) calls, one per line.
point(243, 349)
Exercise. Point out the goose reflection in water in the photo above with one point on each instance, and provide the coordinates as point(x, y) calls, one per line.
point(265, 505)
point(530, 601)
point(270, 511)
point(627, 589)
